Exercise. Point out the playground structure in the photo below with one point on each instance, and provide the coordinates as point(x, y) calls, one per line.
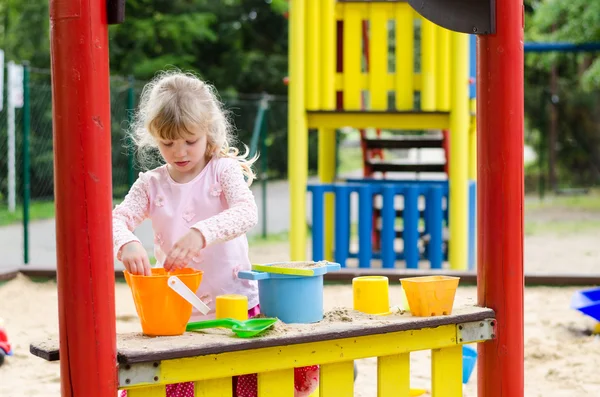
point(83, 201)
point(334, 82)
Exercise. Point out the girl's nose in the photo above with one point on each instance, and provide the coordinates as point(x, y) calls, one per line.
point(180, 152)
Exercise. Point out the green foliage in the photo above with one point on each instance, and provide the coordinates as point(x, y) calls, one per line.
point(573, 21)
point(239, 46)
point(575, 100)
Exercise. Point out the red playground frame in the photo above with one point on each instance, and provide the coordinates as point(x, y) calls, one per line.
point(83, 183)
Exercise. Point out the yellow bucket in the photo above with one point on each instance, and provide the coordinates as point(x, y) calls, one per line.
point(430, 295)
point(161, 310)
point(371, 294)
point(232, 306)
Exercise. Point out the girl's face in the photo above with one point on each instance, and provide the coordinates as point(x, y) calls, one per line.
point(185, 157)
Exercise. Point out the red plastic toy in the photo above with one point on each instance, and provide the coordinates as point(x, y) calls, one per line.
point(5, 349)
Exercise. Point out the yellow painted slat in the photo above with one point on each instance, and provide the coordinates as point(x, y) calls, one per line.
point(443, 68)
point(298, 355)
point(390, 82)
point(337, 380)
point(428, 65)
point(326, 166)
point(298, 136)
point(220, 387)
point(458, 167)
point(362, 8)
point(378, 56)
point(446, 372)
point(313, 51)
point(276, 383)
point(393, 375)
point(150, 391)
point(405, 59)
point(400, 121)
point(328, 54)
point(352, 56)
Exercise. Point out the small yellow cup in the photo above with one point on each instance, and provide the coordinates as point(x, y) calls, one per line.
point(371, 294)
point(232, 306)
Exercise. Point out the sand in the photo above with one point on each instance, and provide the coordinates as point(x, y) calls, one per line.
point(561, 358)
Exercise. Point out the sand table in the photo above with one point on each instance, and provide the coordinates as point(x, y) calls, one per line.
point(339, 323)
point(560, 358)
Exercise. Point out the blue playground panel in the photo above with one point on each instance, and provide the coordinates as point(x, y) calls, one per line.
point(588, 302)
point(434, 216)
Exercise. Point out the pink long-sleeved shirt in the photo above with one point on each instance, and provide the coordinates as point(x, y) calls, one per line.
point(217, 202)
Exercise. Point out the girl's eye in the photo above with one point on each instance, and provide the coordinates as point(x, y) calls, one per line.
point(167, 144)
point(191, 142)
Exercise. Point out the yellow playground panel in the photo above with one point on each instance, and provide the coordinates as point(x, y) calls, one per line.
point(318, 72)
point(210, 360)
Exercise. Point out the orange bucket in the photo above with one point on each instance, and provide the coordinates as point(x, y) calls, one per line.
point(430, 295)
point(161, 310)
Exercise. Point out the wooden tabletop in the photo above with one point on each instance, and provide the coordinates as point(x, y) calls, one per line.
point(337, 324)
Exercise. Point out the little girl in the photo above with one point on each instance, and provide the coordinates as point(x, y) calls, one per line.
point(199, 203)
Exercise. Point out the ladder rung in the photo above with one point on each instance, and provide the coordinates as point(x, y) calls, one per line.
point(397, 167)
point(403, 143)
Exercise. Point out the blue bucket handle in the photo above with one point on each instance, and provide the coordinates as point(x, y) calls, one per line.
point(252, 275)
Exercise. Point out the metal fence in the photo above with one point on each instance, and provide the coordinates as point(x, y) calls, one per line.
point(31, 133)
point(124, 94)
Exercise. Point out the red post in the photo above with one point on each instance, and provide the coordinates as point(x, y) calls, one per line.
point(500, 199)
point(83, 192)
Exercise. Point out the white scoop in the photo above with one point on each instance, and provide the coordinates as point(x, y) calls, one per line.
point(178, 286)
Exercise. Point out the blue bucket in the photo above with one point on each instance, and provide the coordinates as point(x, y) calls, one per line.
point(469, 360)
point(292, 299)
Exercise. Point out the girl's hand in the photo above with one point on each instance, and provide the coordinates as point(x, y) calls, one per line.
point(135, 258)
point(184, 250)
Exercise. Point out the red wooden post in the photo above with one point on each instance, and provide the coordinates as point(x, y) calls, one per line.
point(500, 199)
point(83, 191)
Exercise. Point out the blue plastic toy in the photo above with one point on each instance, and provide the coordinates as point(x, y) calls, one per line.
point(588, 302)
point(469, 360)
point(291, 298)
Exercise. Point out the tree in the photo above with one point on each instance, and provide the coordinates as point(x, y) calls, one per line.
point(562, 104)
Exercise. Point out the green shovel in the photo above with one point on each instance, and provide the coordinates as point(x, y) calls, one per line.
point(243, 329)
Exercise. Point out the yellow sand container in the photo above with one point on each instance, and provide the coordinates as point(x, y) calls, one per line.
point(371, 294)
point(430, 295)
point(232, 306)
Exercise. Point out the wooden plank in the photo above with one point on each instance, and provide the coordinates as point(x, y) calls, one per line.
point(220, 387)
point(531, 279)
point(393, 375)
point(8, 274)
point(446, 372)
point(398, 120)
point(134, 347)
point(276, 383)
point(352, 39)
point(149, 391)
point(378, 55)
point(403, 143)
point(346, 274)
point(382, 166)
point(307, 354)
point(337, 379)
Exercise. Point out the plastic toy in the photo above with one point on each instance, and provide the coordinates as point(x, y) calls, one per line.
point(291, 298)
point(588, 302)
point(430, 295)
point(161, 310)
point(243, 329)
point(5, 348)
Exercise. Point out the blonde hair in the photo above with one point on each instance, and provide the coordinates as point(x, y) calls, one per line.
point(173, 104)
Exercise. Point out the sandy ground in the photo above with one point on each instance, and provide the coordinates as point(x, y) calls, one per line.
point(560, 360)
